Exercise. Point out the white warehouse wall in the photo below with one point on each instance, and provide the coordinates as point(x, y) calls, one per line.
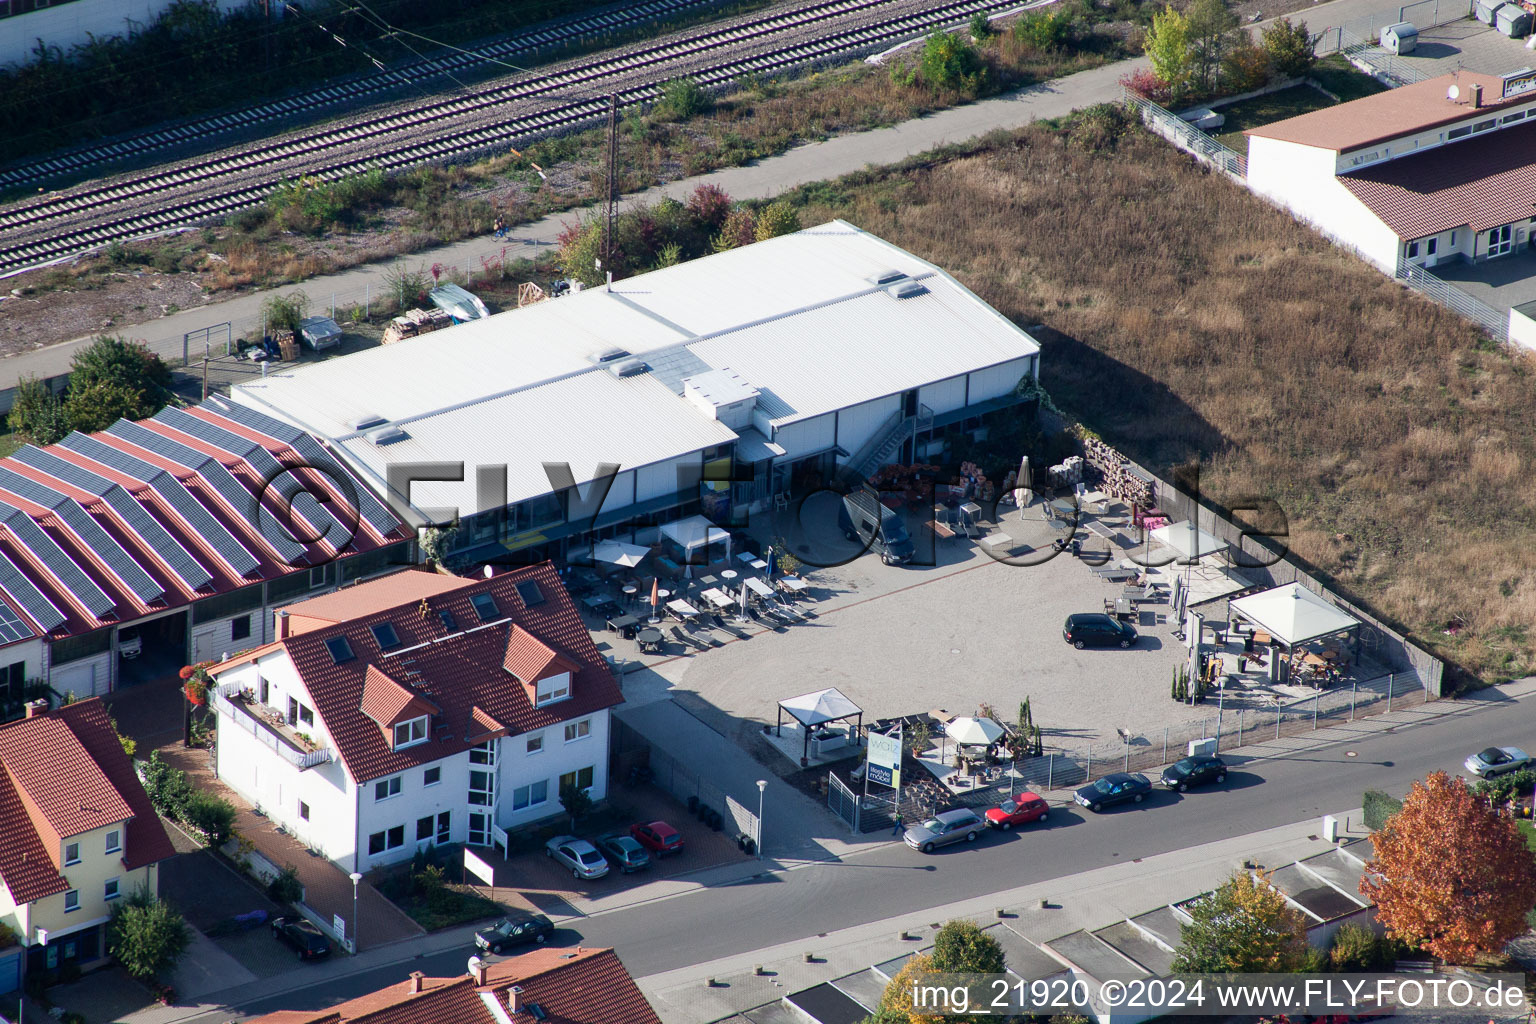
point(858, 423)
point(71, 24)
point(996, 381)
point(807, 437)
point(945, 396)
point(1301, 179)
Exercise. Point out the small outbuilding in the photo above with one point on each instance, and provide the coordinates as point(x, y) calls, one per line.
point(1401, 38)
point(1483, 10)
point(1512, 20)
point(816, 711)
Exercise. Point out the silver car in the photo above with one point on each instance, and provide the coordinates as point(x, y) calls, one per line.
point(578, 855)
point(945, 828)
point(1487, 763)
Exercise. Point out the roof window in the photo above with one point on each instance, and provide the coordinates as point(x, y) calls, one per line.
point(341, 651)
point(529, 591)
point(485, 607)
point(386, 636)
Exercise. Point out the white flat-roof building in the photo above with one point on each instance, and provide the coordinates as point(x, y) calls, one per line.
point(714, 384)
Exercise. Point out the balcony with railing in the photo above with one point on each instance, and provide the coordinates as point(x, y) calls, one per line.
point(269, 726)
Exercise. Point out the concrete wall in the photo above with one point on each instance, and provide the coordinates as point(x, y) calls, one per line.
point(71, 24)
point(1522, 329)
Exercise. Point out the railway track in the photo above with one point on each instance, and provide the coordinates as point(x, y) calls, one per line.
point(362, 88)
point(492, 118)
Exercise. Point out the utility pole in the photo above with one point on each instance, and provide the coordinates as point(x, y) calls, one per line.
point(612, 199)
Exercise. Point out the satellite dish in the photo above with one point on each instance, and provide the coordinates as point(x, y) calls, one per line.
point(1453, 93)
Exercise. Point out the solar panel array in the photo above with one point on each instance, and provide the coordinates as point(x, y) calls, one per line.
point(175, 494)
point(88, 530)
point(47, 551)
point(149, 530)
point(11, 626)
point(24, 593)
point(374, 511)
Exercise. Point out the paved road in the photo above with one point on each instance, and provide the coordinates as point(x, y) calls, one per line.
point(890, 881)
point(761, 180)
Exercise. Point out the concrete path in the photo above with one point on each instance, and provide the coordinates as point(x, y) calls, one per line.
point(813, 162)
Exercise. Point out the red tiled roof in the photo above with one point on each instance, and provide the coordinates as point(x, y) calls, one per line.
point(584, 986)
point(56, 779)
point(157, 564)
point(70, 758)
point(530, 659)
point(1481, 183)
point(1406, 110)
point(484, 727)
point(440, 1001)
point(379, 595)
point(387, 702)
point(456, 671)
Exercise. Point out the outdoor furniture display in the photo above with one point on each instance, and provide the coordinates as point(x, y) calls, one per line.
point(1124, 609)
point(745, 557)
point(793, 584)
point(682, 609)
point(817, 709)
point(1134, 593)
point(758, 587)
point(758, 564)
point(728, 574)
point(688, 641)
point(623, 624)
point(648, 638)
point(717, 597)
point(1116, 575)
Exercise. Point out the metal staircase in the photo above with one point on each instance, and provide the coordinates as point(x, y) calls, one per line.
point(887, 441)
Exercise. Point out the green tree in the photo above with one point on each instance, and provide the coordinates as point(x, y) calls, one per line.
point(112, 378)
point(166, 785)
point(576, 801)
point(1291, 48)
point(1167, 46)
point(286, 889)
point(1212, 33)
point(210, 815)
point(740, 228)
point(36, 413)
point(436, 541)
point(949, 63)
point(980, 27)
point(146, 935)
point(960, 947)
point(97, 406)
point(1245, 66)
point(1043, 30)
point(1245, 926)
point(285, 312)
point(580, 247)
point(775, 219)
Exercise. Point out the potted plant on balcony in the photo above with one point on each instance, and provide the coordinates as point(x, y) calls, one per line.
point(307, 742)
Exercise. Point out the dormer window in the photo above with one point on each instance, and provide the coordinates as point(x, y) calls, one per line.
point(552, 688)
point(408, 734)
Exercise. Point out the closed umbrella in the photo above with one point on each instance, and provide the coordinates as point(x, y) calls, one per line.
point(744, 599)
point(655, 594)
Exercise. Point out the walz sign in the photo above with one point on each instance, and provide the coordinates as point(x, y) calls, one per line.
point(1517, 82)
point(884, 765)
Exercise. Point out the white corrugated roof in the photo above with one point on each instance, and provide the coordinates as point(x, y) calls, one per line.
point(797, 317)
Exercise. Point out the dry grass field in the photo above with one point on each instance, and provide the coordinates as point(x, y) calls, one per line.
point(1190, 321)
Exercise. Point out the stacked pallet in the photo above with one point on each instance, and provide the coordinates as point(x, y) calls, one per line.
point(1122, 480)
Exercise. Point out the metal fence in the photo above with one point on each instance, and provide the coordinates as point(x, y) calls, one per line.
point(1187, 137)
point(1492, 319)
point(843, 801)
point(1231, 727)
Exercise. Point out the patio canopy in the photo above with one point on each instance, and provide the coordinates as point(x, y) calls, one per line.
point(1293, 614)
point(1188, 540)
point(973, 732)
point(696, 532)
point(819, 708)
point(619, 553)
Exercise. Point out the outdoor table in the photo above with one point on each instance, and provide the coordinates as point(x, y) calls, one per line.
point(746, 557)
point(758, 587)
point(718, 598)
point(728, 574)
point(622, 623)
point(595, 601)
point(1124, 608)
point(1116, 575)
point(1134, 593)
point(1263, 639)
point(662, 593)
point(708, 581)
point(758, 564)
point(683, 609)
point(648, 637)
point(970, 508)
point(793, 583)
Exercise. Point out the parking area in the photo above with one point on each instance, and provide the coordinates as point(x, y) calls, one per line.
point(1465, 44)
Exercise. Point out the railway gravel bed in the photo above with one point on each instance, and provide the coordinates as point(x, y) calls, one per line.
point(576, 93)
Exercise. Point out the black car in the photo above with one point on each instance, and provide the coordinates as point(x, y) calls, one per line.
point(516, 928)
point(310, 942)
point(1194, 771)
point(1095, 629)
point(1113, 789)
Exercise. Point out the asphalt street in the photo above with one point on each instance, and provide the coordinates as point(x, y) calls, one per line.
point(893, 880)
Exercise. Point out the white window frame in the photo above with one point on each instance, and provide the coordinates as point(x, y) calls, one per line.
point(579, 730)
point(392, 789)
point(115, 841)
point(542, 696)
point(72, 859)
point(535, 744)
point(111, 889)
point(435, 782)
point(416, 731)
point(72, 894)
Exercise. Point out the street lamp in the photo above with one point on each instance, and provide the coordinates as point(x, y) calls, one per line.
point(355, 879)
point(762, 786)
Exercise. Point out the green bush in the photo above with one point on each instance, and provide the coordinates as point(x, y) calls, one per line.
point(36, 413)
point(980, 27)
point(210, 815)
point(146, 936)
point(681, 99)
point(949, 63)
point(1043, 30)
point(285, 312)
point(167, 786)
point(286, 888)
point(775, 219)
point(1358, 950)
point(1379, 807)
point(1506, 787)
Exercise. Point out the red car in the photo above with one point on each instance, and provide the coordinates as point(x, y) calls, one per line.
point(1021, 810)
point(658, 837)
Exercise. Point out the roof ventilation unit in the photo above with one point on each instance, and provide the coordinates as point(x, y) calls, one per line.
point(607, 355)
point(363, 421)
point(387, 435)
point(885, 277)
point(628, 367)
point(907, 289)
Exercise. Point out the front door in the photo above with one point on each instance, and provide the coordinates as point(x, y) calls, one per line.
point(1499, 243)
point(479, 829)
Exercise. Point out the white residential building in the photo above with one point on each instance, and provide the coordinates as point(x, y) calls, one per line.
point(417, 709)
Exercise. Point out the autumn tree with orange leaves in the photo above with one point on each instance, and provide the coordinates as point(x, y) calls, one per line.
point(1451, 875)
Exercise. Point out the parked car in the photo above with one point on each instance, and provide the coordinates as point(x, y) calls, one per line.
point(516, 928)
point(625, 853)
point(300, 933)
point(1487, 763)
point(863, 519)
point(319, 332)
point(1021, 810)
point(1114, 789)
point(578, 855)
point(1194, 771)
point(1095, 629)
point(944, 828)
point(658, 837)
